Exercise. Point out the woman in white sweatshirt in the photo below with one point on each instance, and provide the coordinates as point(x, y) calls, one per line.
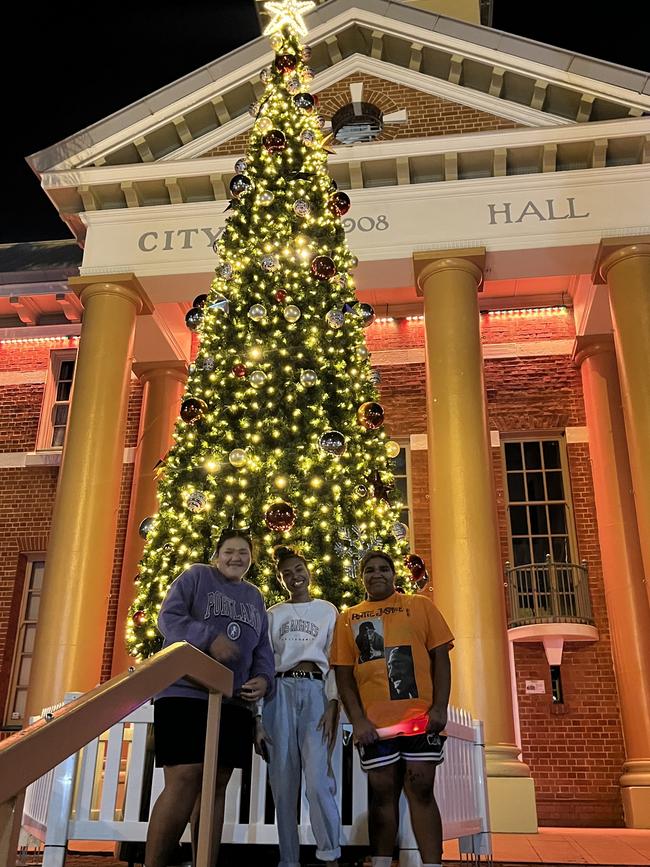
point(298, 727)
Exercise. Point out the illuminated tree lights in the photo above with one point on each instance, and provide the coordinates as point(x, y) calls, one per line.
point(281, 430)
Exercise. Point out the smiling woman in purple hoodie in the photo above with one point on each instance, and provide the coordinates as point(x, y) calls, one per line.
point(216, 610)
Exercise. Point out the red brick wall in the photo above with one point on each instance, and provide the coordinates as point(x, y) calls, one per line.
point(24, 357)
point(409, 334)
point(403, 396)
point(427, 115)
point(400, 334)
point(576, 755)
point(542, 325)
point(115, 630)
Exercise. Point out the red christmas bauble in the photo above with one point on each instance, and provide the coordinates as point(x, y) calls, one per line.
point(280, 517)
point(274, 141)
point(280, 296)
point(415, 565)
point(340, 203)
point(192, 409)
point(239, 370)
point(139, 618)
point(323, 267)
point(371, 415)
point(285, 63)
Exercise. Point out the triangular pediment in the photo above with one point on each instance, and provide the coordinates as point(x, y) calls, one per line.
point(496, 79)
point(411, 107)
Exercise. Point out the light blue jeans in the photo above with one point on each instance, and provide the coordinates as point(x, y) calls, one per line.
point(291, 720)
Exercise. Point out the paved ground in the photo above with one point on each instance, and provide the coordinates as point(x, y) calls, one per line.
point(606, 846)
point(553, 847)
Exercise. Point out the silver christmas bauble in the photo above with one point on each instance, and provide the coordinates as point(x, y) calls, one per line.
point(225, 271)
point(266, 75)
point(240, 185)
point(332, 442)
point(294, 84)
point(257, 378)
point(400, 530)
point(308, 137)
point(367, 314)
point(375, 377)
point(257, 312)
point(302, 208)
point(334, 318)
point(308, 378)
point(264, 124)
point(197, 501)
point(240, 166)
point(146, 526)
point(238, 457)
point(254, 109)
point(362, 352)
point(266, 198)
point(269, 263)
point(207, 363)
point(292, 313)
point(194, 318)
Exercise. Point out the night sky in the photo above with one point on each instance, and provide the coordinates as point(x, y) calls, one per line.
point(72, 70)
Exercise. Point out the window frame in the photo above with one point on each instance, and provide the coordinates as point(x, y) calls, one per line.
point(405, 444)
point(541, 437)
point(46, 424)
point(21, 625)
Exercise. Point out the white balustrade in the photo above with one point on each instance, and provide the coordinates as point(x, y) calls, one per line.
point(107, 791)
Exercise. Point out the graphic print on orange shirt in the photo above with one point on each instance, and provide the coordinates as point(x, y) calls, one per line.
point(388, 644)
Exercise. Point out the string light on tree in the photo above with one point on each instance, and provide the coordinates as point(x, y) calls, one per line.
point(281, 428)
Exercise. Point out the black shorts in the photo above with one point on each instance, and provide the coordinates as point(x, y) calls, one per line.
point(179, 727)
point(411, 748)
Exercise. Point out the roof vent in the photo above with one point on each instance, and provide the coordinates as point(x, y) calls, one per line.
point(357, 122)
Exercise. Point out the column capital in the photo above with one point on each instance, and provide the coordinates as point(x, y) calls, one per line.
point(126, 285)
point(147, 370)
point(611, 251)
point(429, 262)
point(587, 345)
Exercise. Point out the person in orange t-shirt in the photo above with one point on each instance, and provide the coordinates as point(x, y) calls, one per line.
point(391, 658)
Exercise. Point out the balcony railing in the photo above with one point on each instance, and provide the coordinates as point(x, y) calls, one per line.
point(548, 592)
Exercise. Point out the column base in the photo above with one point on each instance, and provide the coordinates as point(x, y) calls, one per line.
point(636, 806)
point(512, 805)
point(635, 793)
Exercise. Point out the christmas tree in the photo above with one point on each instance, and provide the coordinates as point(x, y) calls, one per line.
point(281, 431)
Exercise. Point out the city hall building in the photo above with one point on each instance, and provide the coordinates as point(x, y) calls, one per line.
point(501, 217)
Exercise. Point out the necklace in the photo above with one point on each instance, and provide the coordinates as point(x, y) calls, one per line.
point(307, 605)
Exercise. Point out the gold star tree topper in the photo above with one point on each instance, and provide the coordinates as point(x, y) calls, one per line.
point(288, 13)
